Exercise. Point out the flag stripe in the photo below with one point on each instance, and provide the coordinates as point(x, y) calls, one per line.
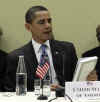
point(42, 70)
point(39, 75)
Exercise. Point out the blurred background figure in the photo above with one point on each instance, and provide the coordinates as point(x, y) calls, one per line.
point(2, 65)
point(95, 75)
point(98, 34)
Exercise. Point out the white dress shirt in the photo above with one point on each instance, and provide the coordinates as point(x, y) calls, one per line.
point(38, 53)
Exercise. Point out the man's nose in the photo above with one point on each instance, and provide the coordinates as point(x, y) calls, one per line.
point(47, 25)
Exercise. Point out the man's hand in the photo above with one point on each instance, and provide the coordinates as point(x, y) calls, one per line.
point(92, 76)
point(54, 86)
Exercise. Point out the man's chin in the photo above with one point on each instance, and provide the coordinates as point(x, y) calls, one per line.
point(47, 38)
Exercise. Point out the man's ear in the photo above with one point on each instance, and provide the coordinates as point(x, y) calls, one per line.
point(28, 27)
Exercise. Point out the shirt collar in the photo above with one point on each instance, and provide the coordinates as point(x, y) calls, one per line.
point(37, 45)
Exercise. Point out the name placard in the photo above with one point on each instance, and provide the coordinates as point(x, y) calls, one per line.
point(86, 90)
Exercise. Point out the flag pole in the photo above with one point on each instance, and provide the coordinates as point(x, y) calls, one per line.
point(42, 97)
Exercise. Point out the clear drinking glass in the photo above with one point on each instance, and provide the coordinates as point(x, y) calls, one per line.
point(46, 87)
point(37, 86)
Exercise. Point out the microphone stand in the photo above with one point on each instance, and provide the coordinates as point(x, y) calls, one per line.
point(42, 97)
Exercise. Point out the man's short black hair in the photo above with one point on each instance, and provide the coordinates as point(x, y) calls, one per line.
point(30, 14)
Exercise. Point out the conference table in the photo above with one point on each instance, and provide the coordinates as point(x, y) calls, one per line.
point(31, 97)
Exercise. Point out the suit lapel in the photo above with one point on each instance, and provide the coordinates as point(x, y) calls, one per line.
point(56, 54)
point(31, 57)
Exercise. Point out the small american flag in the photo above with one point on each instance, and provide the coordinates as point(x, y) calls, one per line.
point(42, 70)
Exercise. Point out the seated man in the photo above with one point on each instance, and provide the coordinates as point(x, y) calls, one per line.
point(2, 67)
point(62, 55)
point(95, 75)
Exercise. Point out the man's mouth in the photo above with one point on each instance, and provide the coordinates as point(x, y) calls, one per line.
point(47, 32)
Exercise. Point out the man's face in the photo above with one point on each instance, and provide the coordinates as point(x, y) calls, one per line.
point(41, 26)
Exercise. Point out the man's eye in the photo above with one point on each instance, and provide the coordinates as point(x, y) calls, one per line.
point(41, 22)
point(44, 21)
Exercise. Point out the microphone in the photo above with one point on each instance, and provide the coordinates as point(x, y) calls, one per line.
point(60, 91)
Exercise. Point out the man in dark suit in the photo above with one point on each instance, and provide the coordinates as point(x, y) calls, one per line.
point(62, 54)
point(95, 52)
point(3, 55)
point(2, 69)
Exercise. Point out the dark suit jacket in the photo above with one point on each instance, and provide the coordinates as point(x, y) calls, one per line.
point(2, 69)
point(64, 61)
point(94, 52)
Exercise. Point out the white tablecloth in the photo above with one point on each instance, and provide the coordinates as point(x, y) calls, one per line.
point(31, 97)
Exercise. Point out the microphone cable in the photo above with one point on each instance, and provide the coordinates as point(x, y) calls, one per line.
point(60, 92)
point(57, 97)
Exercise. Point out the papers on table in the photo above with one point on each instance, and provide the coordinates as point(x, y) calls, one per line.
point(84, 67)
point(84, 90)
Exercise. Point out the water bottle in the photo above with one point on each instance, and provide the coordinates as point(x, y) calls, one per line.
point(21, 77)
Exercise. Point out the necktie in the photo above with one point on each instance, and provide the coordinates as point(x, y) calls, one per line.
point(43, 67)
point(44, 58)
